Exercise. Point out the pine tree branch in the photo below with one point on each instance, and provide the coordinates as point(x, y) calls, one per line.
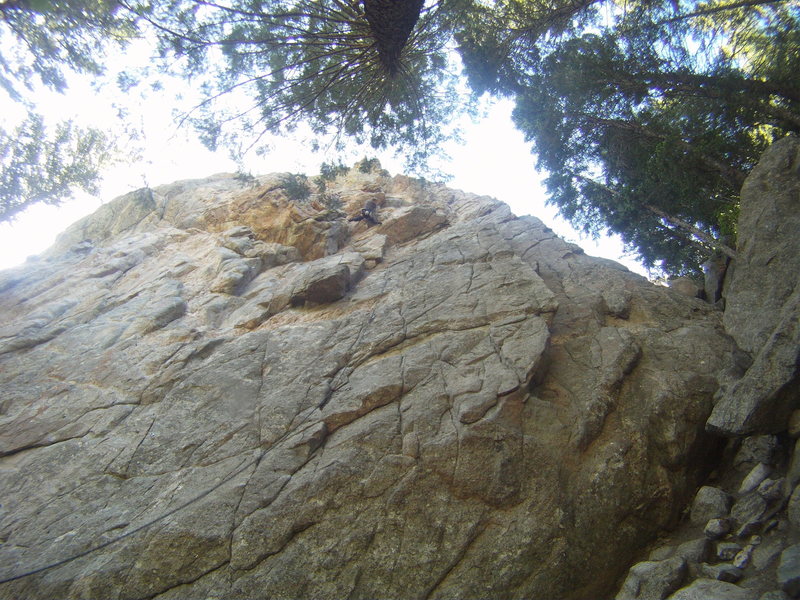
point(675, 221)
point(711, 241)
point(732, 174)
point(716, 9)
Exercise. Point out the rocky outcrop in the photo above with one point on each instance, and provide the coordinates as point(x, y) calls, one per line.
point(763, 299)
point(212, 389)
point(734, 542)
point(744, 524)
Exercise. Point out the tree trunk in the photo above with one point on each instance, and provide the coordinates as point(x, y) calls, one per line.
point(391, 23)
point(688, 227)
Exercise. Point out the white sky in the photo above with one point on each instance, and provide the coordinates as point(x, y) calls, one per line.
point(492, 159)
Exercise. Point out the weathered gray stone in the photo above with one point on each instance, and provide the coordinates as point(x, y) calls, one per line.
point(748, 511)
point(234, 272)
point(772, 524)
point(754, 478)
point(686, 286)
point(762, 310)
point(694, 551)
point(722, 572)
point(122, 214)
point(710, 503)
point(273, 255)
point(727, 550)
point(714, 270)
point(774, 595)
point(661, 553)
point(711, 589)
point(793, 474)
point(742, 559)
point(372, 247)
point(766, 270)
point(413, 222)
point(653, 579)
point(487, 413)
point(717, 528)
point(793, 426)
point(757, 449)
point(766, 554)
point(323, 286)
point(772, 489)
point(793, 509)
point(763, 399)
point(789, 571)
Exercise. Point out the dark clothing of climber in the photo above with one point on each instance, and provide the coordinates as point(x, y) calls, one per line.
point(368, 214)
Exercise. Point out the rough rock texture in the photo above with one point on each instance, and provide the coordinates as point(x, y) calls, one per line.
point(752, 500)
point(711, 589)
point(653, 579)
point(709, 503)
point(762, 310)
point(211, 390)
point(753, 557)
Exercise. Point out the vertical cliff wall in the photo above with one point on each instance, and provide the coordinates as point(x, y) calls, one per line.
point(210, 389)
point(741, 540)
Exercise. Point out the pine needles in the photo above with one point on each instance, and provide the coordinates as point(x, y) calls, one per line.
point(373, 70)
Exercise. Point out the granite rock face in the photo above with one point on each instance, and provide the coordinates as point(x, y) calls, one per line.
point(749, 509)
point(212, 390)
point(755, 555)
point(762, 311)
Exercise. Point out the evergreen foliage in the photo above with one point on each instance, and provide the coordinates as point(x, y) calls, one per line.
point(330, 171)
point(374, 71)
point(40, 166)
point(296, 186)
point(41, 43)
point(646, 116)
point(45, 40)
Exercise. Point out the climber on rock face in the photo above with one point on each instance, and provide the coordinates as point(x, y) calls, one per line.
point(368, 214)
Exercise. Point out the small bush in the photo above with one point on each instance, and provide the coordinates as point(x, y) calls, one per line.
point(245, 178)
point(330, 171)
point(296, 187)
point(370, 165)
point(331, 201)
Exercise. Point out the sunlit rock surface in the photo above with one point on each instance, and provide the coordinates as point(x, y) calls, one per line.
point(762, 310)
point(246, 395)
point(742, 540)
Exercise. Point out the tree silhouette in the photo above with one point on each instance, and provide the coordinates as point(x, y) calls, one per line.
point(646, 119)
point(42, 42)
point(376, 71)
point(391, 23)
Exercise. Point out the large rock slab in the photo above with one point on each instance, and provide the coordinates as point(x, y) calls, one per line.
point(486, 412)
point(766, 269)
point(711, 589)
point(653, 580)
point(763, 298)
point(789, 571)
